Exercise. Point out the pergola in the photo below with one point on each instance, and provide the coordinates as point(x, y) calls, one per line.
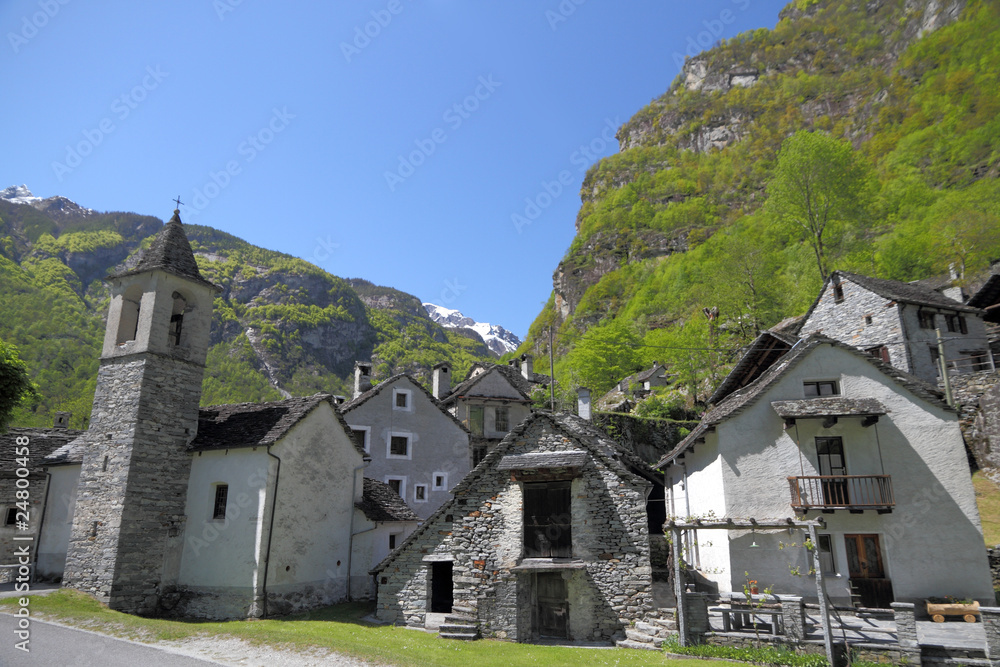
point(677, 529)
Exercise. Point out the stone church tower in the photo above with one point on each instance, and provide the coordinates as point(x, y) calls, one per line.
point(126, 537)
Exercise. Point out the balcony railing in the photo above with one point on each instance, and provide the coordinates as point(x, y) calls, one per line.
point(852, 492)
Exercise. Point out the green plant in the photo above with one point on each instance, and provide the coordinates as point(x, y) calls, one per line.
point(767, 655)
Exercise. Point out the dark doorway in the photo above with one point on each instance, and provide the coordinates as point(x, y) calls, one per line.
point(552, 606)
point(441, 587)
point(865, 568)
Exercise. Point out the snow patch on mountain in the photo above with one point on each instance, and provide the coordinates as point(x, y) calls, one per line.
point(20, 194)
point(494, 336)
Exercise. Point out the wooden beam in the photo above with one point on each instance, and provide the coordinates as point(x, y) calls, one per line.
point(829, 421)
point(682, 624)
point(869, 420)
point(730, 523)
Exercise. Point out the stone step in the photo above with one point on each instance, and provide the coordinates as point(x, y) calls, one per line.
point(459, 609)
point(457, 627)
point(638, 636)
point(465, 636)
point(628, 643)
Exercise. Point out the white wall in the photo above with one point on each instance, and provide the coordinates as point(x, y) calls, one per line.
point(921, 449)
point(59, 505)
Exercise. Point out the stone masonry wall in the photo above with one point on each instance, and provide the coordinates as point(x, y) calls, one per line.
point(481, 532)
point(977, 396)
point(130, 507)
point(845, 321)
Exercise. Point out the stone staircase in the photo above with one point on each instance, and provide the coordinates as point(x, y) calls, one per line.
point(461, 623)
point(650, 634)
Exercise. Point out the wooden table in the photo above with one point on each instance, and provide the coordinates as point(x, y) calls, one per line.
point(735, 618)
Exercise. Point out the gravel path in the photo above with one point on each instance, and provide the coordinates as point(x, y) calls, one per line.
point(232, 651)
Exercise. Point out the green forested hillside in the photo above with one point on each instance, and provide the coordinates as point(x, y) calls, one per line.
point(685, 218)
point(281, 325)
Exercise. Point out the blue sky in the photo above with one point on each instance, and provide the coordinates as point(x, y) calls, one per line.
point(391, 140)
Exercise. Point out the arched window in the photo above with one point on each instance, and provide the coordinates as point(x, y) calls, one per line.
point(177, 318)
point(128, 319)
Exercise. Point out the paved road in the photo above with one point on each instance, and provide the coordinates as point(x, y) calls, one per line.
point(59, 646)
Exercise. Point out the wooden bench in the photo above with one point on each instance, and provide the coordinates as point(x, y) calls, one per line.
point(735, 618)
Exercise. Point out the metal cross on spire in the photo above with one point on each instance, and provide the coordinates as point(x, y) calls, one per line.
point(177, 201)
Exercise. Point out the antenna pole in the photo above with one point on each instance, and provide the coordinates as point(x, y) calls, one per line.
point(552, 372)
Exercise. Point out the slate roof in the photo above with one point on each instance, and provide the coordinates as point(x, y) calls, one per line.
point(743, 398)
point(894, 290)
point(831, 406)
point(767, 348)
point(381, 504)
point(986, 296)
point(586, 438)
point(257, 424)
point(365, 396)
point(513, 376)
point(41, 443)
point(170, 252)
point(537, 460)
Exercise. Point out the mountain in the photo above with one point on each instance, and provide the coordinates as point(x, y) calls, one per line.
point(681, 255)
point(499, 340)
point(281, 326)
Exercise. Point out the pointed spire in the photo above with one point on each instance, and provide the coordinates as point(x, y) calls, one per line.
point(170, 252)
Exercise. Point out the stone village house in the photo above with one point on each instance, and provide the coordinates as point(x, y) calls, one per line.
point(229, 511)
point(813, 427)
point(416, 446)
point(547, 538)
point(897, 323)
point(491, 400)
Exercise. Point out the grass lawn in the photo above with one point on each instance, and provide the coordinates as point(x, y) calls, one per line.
point(339, 628)
point(988, 499)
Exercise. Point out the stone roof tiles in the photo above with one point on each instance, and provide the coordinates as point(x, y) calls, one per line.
point(257, 424)
point(170, 251)
point(538, 460)
point(381, 504)
point(830, 406)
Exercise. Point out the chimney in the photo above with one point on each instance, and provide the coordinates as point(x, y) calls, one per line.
point(583, 403)
point(62, 420)
point(362, 377)
point(527, 367)
point(442, 380)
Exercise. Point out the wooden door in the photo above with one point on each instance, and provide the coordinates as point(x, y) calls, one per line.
point(552, 605)
point(866, 570)
point(830, 454)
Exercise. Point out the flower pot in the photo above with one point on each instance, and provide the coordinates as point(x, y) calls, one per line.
point(753, 590)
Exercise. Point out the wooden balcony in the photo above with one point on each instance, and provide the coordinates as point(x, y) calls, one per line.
point(839, 492)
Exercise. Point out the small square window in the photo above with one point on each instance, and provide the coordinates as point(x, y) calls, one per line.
point(399, 446)
point(420, 493)
point(440, 481)
point(821, 388)
point(221, 498)
point(838, 292)
point(956, 324)
point(397, 484)
point(868, 319)
point(11, 518)
point(401, 399)
point(392, 541)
